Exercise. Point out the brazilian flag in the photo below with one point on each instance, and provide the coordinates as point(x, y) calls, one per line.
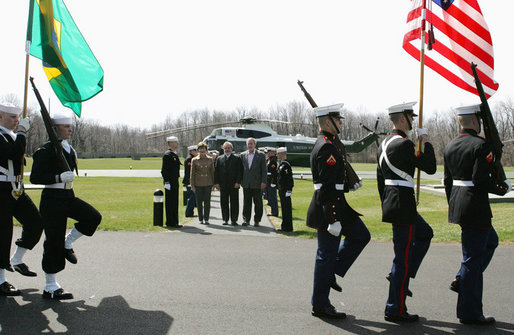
point(52, 36)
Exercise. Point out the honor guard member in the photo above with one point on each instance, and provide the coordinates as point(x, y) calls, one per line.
point(14, 202)
point(468, 161)
point(190, 195)
point(285, 189)
point(271, 181)
point(170, 173)
point(330, 214)
point(397, 161)
point(58, 203)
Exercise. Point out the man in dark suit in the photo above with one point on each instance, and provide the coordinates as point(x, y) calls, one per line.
point(170, 173)
point(227, 178)
point(468, 161)
point(254, 181)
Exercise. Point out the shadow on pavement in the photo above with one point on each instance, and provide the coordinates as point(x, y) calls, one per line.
point(112, 316)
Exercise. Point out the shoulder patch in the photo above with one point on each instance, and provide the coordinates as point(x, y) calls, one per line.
point(331, 160)
point(489, 157)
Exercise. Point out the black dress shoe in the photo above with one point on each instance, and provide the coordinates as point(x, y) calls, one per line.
point(69, 254)
point(483, 320)
point(405, 317)
point(245, 223)
point(58, 294)
point(8, 290)
point(234, 223)
point(10, 269)
point(335, 285)
point(175, 226)
point(225, 223)
point(455, 285)
point(256, 224)
point(327, 312)
point(24, 270)
point(409, 292)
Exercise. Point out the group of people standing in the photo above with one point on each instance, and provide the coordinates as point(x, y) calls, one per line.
point(468, 161)
point(227, 172)
point(58, 202)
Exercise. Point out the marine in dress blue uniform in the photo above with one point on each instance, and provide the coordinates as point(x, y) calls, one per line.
point(271, 181)
point(397, 161)
point(58, 203)
point(14, 204)
point(170, 172)
point(330, 214)
point(190, 200)
point(468, 161)
point(285, 189)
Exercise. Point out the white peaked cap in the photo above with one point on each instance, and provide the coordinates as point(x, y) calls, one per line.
point(192, 147)
point(61, 119)
point(271, 149)
point(467, 110)
point(281, 149)
point(407, 106)
point(8, 107)
point(172, 139)
point(332, 110)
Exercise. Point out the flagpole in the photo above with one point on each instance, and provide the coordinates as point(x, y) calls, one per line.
point(421, 87)
point(25, 98)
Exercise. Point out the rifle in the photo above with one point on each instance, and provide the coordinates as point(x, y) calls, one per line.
point(492, 136)
point(350, 175)
point(62, 163)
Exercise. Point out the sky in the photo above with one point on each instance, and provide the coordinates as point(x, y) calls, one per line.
point(165, 57)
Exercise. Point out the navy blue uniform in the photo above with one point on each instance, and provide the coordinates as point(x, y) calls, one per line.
point(411, 233)
point(23, 209)
point(170, 172)
point(468, 160)
point(189, 199)
point(58, 203)
point(327, 206)
point(285, 184)
point(271, 185)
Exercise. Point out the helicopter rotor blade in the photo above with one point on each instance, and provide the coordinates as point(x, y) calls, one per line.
point(184, 129)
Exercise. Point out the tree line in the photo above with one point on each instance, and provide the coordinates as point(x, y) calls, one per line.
point(92, 139)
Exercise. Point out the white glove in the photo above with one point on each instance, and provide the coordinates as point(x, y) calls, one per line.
point(24, 123)
point(509, 185)
point(273, 185)
point(334, 228)
point(288, 193)
point(356, 186)
point(167, 186)
point(421, 131)
point(184, 188)
point(67, 176)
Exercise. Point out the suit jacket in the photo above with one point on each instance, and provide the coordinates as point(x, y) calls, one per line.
point(256, 175)
point(228, 171)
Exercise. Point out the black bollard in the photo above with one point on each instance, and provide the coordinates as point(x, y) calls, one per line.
point(158, 199)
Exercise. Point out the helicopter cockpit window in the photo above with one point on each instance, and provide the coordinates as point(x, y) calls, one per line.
point(245, 133)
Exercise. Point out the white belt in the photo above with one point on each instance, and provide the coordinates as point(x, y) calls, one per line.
point(338, 187)
point(61, 186)
point(395, 182)
point(269, 173)
point(7, 179)
point(468, 183)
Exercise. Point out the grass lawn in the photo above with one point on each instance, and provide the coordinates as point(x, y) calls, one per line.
point(127, 204)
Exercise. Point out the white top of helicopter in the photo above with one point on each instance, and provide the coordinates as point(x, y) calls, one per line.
point(230, 134)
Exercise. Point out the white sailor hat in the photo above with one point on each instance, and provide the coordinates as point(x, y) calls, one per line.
point(332, 110)
point(405, 107)
point(8, 107)
point(172, 139)
point(281, 149)
point(271, 149)
point(469, 109)
point(192, 147)
point(61, 119)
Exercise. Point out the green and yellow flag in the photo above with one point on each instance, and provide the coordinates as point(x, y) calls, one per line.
point(73, 71)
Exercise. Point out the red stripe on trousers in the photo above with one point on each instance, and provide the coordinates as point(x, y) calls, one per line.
point(402, 288)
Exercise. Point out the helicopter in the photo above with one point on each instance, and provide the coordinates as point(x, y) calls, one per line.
point(299, 147)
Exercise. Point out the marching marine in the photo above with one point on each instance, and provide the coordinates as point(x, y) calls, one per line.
point(285, 189)
point(397, 161)
point(58, 203)
point(14, 202)
point(330, 214)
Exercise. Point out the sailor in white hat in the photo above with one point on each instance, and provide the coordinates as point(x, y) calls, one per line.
point(14, 201)
point(411, 233)
point(285, 184)
point(170, 173)
point(189, 195)
point(330, 214)
point(58, 203)
point(468, 162)
point(270, 192)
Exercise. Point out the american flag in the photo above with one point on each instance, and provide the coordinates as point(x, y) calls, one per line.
point(461, 37)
